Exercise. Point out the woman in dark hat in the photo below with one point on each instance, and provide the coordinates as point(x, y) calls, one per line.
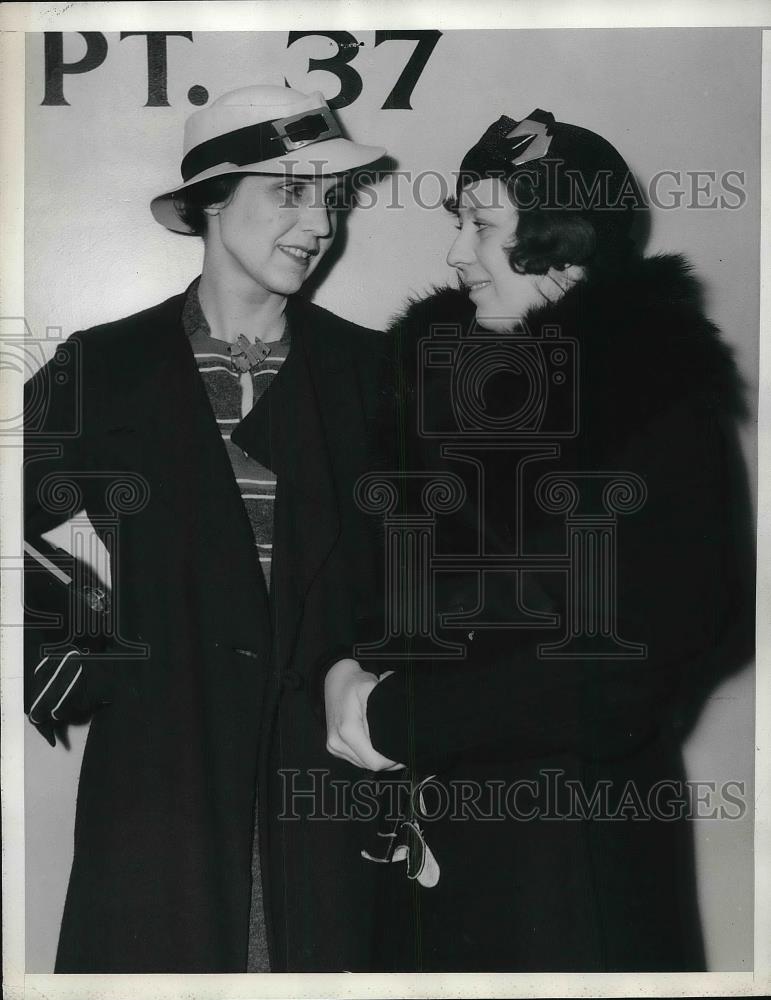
point(591, 579)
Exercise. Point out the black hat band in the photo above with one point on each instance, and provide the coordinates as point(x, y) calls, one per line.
point(260, 142)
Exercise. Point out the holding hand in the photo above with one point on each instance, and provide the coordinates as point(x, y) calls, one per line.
point(346, 690)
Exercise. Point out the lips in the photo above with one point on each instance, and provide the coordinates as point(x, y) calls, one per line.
point(475, 286)
point(299, 254)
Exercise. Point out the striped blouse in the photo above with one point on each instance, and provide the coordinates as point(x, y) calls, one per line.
point(231, 394)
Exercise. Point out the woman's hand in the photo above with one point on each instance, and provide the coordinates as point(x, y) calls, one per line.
point(346, 690)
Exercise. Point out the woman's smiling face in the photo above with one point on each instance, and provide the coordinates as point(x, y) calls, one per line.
point(274, 230)
point(487, 222)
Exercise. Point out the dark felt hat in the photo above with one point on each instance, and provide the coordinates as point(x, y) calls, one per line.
point(573, 168)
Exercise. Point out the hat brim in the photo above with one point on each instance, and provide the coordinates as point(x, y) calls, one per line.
point(332, 156)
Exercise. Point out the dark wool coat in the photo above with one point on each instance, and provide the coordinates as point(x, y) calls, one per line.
point(165, 815)
point(658, 396)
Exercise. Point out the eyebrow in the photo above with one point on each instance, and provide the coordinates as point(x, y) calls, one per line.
point(337, 191)
point(311, 182)
point(471, 210)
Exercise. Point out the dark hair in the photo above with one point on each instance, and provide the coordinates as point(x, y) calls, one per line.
point(190, 203)
point(548, 236)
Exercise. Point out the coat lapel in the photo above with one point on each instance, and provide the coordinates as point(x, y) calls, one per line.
point(301, 429)
point(167, 406)
point(165, 429)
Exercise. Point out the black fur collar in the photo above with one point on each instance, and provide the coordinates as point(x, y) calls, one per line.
point(642, 335)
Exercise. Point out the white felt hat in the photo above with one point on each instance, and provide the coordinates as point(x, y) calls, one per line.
point(261, 130)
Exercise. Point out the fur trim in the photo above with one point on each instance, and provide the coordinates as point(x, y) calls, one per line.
point(653, 379)
point(641, 333)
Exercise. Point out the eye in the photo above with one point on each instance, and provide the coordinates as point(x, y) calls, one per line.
point(336, 199)
point(476, 223)
point(293, 189)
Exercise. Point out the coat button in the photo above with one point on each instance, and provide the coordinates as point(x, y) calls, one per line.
point(292, 680)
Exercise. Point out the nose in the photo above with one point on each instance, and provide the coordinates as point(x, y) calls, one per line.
point(462, 251)
point(317, 219)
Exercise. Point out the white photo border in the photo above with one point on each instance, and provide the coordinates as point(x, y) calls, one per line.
point(15, 19)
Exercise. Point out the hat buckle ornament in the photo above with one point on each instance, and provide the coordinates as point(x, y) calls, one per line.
point(301, 130)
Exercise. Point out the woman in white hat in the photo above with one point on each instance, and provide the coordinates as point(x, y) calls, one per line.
point(236, 413)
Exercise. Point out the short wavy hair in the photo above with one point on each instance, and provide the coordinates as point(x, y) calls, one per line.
point(191, 203)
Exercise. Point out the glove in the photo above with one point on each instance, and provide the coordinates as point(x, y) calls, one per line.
point(65, 688)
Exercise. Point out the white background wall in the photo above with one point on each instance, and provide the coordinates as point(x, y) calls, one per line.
point(682, 100)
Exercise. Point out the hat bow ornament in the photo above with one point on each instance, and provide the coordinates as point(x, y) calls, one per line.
point(528, 141)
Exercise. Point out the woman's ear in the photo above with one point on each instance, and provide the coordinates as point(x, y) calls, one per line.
point(557, 281)
point(571, 273)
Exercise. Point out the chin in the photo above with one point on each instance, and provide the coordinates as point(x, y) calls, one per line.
point(284, 285)
point(289, 283)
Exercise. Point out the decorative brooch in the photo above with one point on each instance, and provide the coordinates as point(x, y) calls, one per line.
point(247, 357)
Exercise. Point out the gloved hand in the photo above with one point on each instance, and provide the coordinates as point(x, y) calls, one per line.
point(70, 683)
point(65, 687)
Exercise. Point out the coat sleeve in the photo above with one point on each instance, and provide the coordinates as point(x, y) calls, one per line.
point(59, 686)
point(685, 590)
point(369, 353)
